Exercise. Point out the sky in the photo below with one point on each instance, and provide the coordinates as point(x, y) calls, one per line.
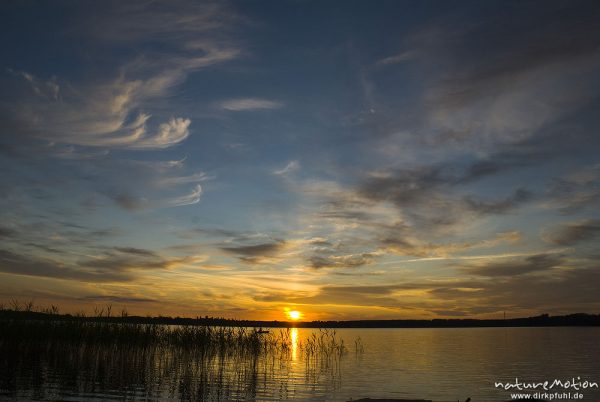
point(348, 160)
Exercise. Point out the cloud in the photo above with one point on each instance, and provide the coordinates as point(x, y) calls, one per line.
point(48, 89)
point(134, 203)
point(130, 202)
point(531, 264)
point(127, 262)
point(117, 299)
point(292, 166)
point(13, 263)
point(101, 115)
point(168, 134)
point(396, 59)
point(428, 200)
point(519, 197)
point(576, 191)
point(409, 211)
point(258, 249)
point(479, 100)
point(113, 110)
point(248, 104)
point(7, 232)
point(573, 233)
point(136, 251)
point(341, 261)
point(189, 199)
point(181, 23)
point(486, 96)
point(521, 294)
point(263, 253)
point(383, 296)
point(193, 178)
point(400, 240)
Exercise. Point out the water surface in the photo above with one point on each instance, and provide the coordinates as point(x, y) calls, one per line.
point(440, 364)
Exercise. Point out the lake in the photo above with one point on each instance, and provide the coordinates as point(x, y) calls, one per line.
point(440, 364)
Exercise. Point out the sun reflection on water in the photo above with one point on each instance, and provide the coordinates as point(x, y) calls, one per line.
point(294, 338)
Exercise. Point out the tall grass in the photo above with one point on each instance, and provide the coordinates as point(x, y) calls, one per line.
point(87, 355)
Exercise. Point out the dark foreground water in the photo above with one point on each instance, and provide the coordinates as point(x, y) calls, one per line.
point(438, 364)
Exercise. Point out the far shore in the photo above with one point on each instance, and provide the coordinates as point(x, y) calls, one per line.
point(545, 320)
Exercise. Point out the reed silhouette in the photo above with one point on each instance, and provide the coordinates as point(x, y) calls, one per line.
point(47, 356)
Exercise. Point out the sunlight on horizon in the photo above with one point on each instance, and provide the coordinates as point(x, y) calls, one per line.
point(294, 315)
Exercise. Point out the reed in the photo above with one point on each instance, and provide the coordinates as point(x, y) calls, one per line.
point(20, 325)
point(106, 353)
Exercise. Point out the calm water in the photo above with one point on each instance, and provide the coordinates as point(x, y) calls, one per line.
point(438, 364)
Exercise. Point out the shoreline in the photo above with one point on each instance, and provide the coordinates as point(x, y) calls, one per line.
point(571, 320)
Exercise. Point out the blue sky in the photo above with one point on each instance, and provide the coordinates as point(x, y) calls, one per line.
point(349, 160)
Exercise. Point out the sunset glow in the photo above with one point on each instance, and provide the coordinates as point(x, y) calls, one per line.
point(367, 160)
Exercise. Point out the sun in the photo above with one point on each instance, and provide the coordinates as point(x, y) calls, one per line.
point(294, 315)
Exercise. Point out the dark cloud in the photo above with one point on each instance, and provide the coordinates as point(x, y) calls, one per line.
point(231, 235)
point(367, 295)
point(13, 263)
point(427, 192)
point(45, 248)
point(522, 154)
point(215, 232)
point(565, 291)
point(357, 274)
point(125, 262)
point(429, 204)
point(573, 233)
point(345, 215)
point(7, 232)
point(137, 251)
point(534, 263)
point(576, 192)
point(455, 293)
point(71, 225)
point(403, 187)
point(367, 289)
point(256, 250)
point(564, 35)
point(321, 243)
point(517, 47)
point(341, 261)
point(105, 233)
point(258, 253)
point(115, 265)
point(117, 299)
point(498, 207)
point(397, 243)
point(130, 202)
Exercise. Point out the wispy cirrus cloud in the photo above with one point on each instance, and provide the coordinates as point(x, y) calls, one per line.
point(249, 104)
point(397, 58)
point(101, 115)
point(45, 88)
point(132, 202)
point(188, 199)
point(431, 152)
point(292, 166)
point(112, 110)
